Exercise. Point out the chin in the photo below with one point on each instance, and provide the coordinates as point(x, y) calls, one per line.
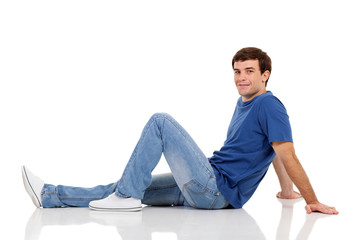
point(242, 93)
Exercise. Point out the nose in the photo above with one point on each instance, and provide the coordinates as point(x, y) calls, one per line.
point(240, 77)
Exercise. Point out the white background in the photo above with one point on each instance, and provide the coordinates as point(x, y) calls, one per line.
point(79, 79)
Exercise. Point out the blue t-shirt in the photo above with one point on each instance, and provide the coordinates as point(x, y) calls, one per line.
point(244, 159)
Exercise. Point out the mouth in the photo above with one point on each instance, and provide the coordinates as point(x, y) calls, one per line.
point(243, 84)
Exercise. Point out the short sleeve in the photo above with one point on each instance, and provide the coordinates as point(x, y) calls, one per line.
point(274, 120)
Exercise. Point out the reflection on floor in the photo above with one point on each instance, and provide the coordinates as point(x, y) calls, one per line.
point(173, 222)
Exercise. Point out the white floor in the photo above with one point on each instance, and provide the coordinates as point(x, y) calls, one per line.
point(263, 217)
point(260, 219)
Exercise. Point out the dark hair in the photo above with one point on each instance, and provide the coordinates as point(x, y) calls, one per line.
point(252, 53)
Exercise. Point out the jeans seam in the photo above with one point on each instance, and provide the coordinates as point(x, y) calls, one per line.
point(202, 187)
point(161, 187)
point(121, 195)
point(72, 198)
point(66, 198)
point(212, 205)
point(186, 188)
point(206, 190)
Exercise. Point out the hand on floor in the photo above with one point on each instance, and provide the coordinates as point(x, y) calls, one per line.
point(319, 207)
point(291, 195)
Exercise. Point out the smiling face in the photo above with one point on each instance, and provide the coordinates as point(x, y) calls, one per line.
point(249, 80)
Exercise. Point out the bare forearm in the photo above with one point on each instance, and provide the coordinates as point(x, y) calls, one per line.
point(286, 155)
point(285, 181)
point(297, 174)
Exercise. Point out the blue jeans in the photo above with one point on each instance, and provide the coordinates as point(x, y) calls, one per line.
point(191, 182)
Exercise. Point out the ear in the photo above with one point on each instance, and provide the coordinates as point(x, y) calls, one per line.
point(265, 76)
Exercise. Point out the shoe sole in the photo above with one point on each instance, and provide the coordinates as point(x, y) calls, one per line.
point(29, 188)
point(135, 209)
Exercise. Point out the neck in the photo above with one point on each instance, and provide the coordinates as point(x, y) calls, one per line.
point(249, 98)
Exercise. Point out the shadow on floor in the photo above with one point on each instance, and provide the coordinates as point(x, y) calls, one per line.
point(186, 223)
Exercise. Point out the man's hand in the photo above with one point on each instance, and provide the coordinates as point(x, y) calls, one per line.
point(286, 154)
point(290, 195)
point(319, 207)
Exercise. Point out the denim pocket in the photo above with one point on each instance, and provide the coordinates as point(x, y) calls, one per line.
point(199, 196)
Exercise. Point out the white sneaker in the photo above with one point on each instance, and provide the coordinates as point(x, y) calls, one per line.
point(115, 203)
point(33, 186)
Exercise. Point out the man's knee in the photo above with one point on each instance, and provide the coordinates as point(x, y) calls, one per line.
point(161, 115)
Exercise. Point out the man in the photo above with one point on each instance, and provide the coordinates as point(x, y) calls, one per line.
point(259, 134)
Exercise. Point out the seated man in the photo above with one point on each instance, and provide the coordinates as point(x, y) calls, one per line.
point(259, 134)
